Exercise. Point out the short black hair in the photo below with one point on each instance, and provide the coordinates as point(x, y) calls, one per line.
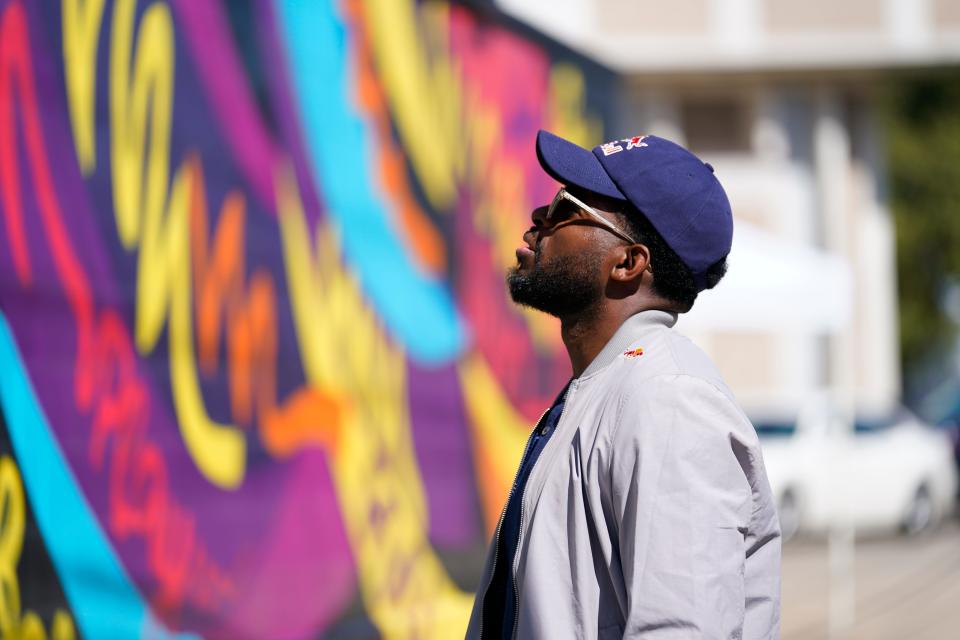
point(672, 279)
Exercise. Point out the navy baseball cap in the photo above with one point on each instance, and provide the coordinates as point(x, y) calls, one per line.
point(675, 190)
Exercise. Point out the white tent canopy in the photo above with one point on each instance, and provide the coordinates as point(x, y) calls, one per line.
point(775, 285)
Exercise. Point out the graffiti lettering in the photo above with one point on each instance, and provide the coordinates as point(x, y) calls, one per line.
point(140, 502)
point(99, 339)
point(163, 270)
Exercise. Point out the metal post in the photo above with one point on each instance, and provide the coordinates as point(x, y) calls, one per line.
point(832, 167)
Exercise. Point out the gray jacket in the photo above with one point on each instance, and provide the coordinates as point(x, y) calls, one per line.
point(648, 513)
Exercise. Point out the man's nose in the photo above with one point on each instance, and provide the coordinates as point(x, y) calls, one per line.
point(530, 235)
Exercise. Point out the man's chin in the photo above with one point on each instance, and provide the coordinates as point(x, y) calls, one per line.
point(523, 291)
point(518, 284)
point(553, 292)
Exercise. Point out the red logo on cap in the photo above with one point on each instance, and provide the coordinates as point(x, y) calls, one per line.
point(609, 148)
point(635, 142)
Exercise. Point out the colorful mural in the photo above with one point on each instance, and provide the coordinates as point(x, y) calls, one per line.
point(259, 376)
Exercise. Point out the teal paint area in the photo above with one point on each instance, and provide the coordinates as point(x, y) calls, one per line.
point(418, 310)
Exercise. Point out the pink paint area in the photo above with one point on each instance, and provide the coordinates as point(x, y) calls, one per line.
point(301, 577)
point(505, 75)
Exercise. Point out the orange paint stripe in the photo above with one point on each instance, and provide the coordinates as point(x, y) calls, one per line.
point(308, 417)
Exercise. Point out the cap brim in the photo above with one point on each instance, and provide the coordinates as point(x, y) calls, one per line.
point(573, 165)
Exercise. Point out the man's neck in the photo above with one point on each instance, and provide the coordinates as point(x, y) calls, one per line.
point(586, 334)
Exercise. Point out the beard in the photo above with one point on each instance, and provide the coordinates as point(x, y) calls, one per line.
point(560, 287)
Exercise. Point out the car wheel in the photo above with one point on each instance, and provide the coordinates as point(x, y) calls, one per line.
point(921, 513)
point(788, 511)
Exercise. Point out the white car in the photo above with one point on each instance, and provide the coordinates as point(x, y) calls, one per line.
point(887, 473)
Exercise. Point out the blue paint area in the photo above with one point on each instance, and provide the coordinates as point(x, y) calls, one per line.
point(418, 310)
point(104, 601)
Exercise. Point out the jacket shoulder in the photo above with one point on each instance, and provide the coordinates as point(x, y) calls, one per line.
point(665, 369)
point(666, 352)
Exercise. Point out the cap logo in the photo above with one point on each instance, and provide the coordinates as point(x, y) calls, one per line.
point(610, 148)
point(614, 146)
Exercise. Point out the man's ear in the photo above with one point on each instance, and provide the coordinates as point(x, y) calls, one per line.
point(633, 261)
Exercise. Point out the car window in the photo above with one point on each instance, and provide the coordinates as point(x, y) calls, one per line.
point(774, 429)
point(875, 424)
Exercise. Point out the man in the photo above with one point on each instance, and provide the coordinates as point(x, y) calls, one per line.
point(641, 508)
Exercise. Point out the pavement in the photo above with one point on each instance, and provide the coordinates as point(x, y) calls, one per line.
point(902, 588)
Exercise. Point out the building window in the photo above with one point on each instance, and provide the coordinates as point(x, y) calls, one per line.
point(715, 125)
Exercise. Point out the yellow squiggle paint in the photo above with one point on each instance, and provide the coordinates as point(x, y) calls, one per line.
point(567, 107)
point(156, 221)
point(81, 32)
point(404, 586)
point(146, 93)
point(498, 431)
point(14, 623)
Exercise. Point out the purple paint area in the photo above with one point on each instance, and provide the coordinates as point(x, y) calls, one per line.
point(222, 79)
point(295, 583)
point(443, 454)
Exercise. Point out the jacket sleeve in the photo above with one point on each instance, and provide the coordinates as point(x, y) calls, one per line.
point(688, 498)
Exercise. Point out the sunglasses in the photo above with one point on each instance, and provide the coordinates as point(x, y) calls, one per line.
point(554, 213)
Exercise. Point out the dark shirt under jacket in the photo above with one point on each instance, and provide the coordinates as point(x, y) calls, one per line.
point(499, 602)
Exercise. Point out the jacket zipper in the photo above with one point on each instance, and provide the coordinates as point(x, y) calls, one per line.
point(503, 513)
point(513, 565)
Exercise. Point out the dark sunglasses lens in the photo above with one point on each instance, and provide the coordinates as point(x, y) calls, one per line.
point(563, 210)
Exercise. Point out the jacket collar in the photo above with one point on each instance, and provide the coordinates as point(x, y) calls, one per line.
point(629, 332)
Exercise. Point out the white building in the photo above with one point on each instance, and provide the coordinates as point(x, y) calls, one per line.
point(780, 96)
